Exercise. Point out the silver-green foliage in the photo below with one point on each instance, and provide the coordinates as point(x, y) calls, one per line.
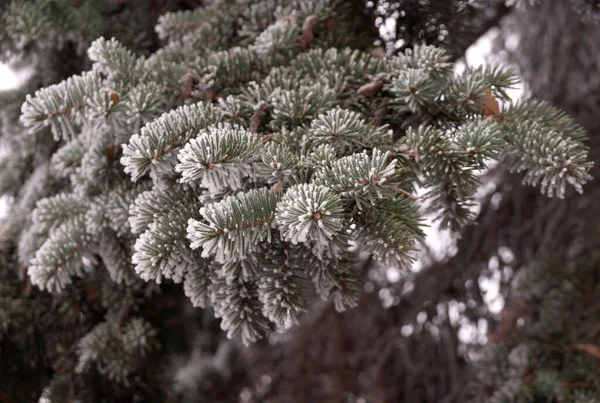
point(218, 158)
point(259, 170)
point(116, 351)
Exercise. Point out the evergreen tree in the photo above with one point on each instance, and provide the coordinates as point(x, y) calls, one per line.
point(253, 160)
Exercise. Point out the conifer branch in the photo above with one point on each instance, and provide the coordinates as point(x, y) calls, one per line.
point(162, 136)
point(60, 106)
point(234, 226)
point(61, 257)
point(162, 250)
point(309, 212)
point(360, 175)
point(219, 157)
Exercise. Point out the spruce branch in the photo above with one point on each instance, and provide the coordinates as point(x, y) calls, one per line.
point(116, 355)
point(53, 211)
point(103, 105)
point(548, 146)
point(474, 85)
point(321, 156)
point(239, 307)
point(279, 42)
point(234, 67)
point(154, 203)
point(117, 63)
point(497, 78)
point(338, 281)
point(549, 160)
point(219, 158)
point(162, 250)
point(159, 138)
point(111, 209)
point(482, 141)
point(235, 110)
point(362, 175)
point(328, 65)
point(345, 130)
point(143, 104)
point(415, 88)
point(25, 25)
point(243, 270)
point(255, 17)
point(389, 231)
point(279, 163)
point(60, 106)
point(309, 212)
point(100, 169)
point(64, 255)
point(434, 60)
point(234, 226)
point(67, 159)
point(447, 164)
point(282, 285)
point(196, 284)
point(294, 108)
point(247, 220)
point(175, 25)
point(117, 258)
point(279, 79)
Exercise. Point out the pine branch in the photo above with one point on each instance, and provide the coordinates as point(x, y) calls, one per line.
point(309, 212)
point(389, 231)
point(240, 309)
point(60, 106)
point(282, 287)
point(159, 138)
point(362, 176)
point(61, 257)
point(235, 226)
point(120, 66)
point(53, 211)
point(219, 157)
point(162, 250)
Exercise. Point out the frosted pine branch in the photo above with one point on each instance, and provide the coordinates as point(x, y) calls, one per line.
point(219, 157)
